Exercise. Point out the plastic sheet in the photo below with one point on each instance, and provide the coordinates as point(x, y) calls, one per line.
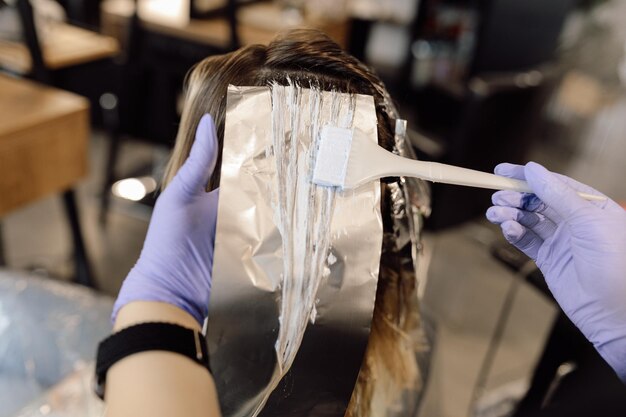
point(72, 397)
point(48, 329)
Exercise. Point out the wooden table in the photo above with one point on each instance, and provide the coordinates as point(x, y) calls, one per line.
point(44, 136)
point(43, 141)
point(257, 24)
point(64, 46)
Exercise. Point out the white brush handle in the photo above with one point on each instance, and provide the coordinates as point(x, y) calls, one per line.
point(448, 174)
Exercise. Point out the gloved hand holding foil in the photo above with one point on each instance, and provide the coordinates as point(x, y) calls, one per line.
point(177, 257)
point(580, 247)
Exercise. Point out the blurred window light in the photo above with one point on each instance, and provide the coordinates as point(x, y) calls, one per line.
point(397, 11)
point(134, 189)
point(174, 12)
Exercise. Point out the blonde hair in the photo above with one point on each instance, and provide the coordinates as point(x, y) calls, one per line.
point(309, 57)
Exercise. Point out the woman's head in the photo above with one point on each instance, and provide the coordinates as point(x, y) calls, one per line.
point(307, 57)
point(390, 373)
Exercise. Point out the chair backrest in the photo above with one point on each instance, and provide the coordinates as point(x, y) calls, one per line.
point(228, 11)
point(154, 58)
point(39, 71)
point(517, 35)
point(82, 12)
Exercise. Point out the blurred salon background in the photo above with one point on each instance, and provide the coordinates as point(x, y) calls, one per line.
point(90, 95)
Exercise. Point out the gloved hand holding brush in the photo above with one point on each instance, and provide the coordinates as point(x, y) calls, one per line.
point(579, 246)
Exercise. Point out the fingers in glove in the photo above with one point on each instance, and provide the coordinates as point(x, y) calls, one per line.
point(558, 191)
point(498, 215)
point(554, 191)
point(522, 238)
point(199, 166)
point(510, 170)
point(537, 222)
point(524, 201)
point(519, 172)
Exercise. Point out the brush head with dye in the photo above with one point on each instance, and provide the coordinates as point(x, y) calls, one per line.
point(347, 158)
point(333, 154)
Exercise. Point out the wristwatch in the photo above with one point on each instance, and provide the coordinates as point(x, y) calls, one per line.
point(143, 337)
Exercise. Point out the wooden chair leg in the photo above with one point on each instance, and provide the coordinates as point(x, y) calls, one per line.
point(83, 273)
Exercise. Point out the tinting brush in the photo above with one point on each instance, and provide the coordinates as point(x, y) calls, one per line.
point(348, 159)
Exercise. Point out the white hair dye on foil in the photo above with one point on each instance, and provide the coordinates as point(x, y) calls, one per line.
point(313, 250)
point(303, 210)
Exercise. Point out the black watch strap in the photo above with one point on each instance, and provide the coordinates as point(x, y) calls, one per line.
point(148, 336)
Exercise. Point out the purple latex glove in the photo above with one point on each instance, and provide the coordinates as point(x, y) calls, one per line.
point(580, 247)
point(177, 256)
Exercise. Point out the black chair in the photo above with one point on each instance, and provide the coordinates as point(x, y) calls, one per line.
point(517, 36)
point(79, 79)
point(84, 13)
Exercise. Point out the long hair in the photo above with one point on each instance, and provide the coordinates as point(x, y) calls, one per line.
point(310, 58)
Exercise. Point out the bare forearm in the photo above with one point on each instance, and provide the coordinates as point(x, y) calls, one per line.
point(158, 383)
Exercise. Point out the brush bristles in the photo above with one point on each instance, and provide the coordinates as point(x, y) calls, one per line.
point(332, 156)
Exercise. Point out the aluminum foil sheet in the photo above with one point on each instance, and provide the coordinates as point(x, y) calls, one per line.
point(296, 265)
